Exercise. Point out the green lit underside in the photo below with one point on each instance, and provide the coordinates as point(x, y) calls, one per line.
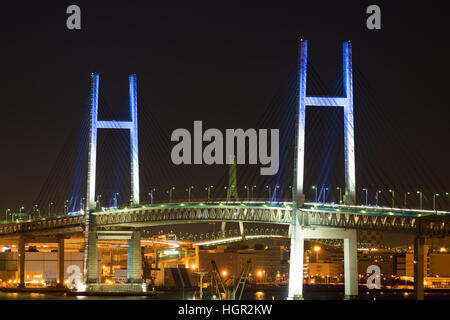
point(316, 207)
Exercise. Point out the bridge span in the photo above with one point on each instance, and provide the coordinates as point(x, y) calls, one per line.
point(305, 220)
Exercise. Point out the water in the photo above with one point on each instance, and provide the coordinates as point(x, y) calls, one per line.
point(278, 294)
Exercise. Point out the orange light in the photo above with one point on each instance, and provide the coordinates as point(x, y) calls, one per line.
point(224, 273)
point(259, 273)
point(316, 248)
point(442, 249)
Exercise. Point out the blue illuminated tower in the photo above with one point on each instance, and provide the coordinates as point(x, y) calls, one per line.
point(96, 124)
point(298, 224)
point(346, 102)
point(90, 242)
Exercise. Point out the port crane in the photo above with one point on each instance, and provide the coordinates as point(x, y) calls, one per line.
point(231, 288)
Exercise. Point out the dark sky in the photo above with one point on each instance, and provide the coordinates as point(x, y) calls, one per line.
point(220, 62)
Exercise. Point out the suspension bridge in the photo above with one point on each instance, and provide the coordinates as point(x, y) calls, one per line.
point(293, 218)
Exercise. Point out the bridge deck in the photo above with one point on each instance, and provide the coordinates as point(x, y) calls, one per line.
point(317, 214)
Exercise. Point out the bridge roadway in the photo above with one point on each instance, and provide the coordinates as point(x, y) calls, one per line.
point(413, 221)
point(316, 221)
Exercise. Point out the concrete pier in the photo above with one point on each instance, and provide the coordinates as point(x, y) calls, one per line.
point(61, 262)
point(134, 258)
point(419, 264)
point(21, 258)
point(92, 267)
point(299, 235)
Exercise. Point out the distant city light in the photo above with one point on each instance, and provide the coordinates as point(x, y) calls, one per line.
point(170, 252)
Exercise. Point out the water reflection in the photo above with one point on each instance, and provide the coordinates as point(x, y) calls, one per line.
point(247, 295)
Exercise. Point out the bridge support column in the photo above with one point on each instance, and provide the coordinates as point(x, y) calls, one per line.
point(350, 253)
point(156, 257)
point(92, 264)
point(197, 257)
point(419, 265)
point(21, 258)
point(134, 258)
point(296, 264)
point(61, 262)
point(242, 230)
point(351, 265)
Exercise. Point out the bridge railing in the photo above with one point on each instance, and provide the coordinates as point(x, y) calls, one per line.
point(235, 233)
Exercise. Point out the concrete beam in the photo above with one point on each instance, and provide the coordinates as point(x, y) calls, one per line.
point(419, 265)
point(21, 258)
point(351, 266)
point(296, 264)
point(134, 258)
point(115, 235)
point(298, 237)
point(242, 230)
point(61, 262)
point(92, 264)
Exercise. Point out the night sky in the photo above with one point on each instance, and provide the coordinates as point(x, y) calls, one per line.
point(220, 62)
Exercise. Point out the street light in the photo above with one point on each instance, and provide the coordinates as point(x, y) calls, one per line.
point(434, 200)
point(99, 203)
point(325, 194)
point(152, 190)
point(365, 189)
point(420, 198)
point(50, 209)
point(276, 188)
point(36, 210)
point(227, 192)
point(260, 274)
point(253, 187)
point(340, 194)
point(406, 194)
point(248, 192)
point(66, 206)
point(208, 188)
point(448, 195)
point(376, 197)
point(189, 192)
point(169, 192)
point(115, 199)
point(315, 191)
point(6, 214)
point(82, 204)
point(269, 189)
point(393, 195)
point(317, 250)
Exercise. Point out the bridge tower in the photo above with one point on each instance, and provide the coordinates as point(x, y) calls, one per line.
point(345, 102)
point(90, 252)
point(299, 227)
point(96, 124)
